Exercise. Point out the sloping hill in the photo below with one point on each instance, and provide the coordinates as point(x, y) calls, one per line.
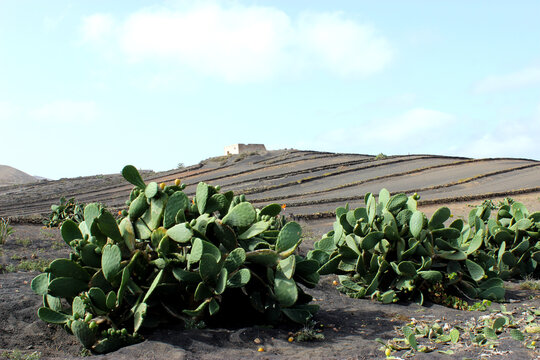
point(311, 184)
point(10, 175)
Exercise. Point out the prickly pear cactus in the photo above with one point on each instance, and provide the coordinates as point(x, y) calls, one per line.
point(391, 251)
point(512, 239)
point(213, 258)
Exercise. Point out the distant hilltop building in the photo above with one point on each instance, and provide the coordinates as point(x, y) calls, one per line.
point(243, 148)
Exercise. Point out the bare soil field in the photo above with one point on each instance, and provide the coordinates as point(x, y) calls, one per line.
point(299, 179)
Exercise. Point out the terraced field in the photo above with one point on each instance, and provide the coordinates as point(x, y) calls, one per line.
point(311, 184)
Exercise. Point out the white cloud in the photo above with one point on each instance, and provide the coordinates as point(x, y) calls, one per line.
point(65, 111)
point(516, 80)
point(97, 27)
point(342, 45)
point(417, 130)
point(244, 43)
point(510, 138)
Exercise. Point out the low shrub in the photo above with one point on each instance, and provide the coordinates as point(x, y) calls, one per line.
point(67, 209)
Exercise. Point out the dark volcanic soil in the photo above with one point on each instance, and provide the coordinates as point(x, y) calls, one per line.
point(350, 326)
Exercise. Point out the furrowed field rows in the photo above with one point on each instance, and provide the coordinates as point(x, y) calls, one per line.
point(323, 182)
point(421, 179)
point(308, 182)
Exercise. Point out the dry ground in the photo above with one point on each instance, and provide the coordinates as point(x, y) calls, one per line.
point(350, 326)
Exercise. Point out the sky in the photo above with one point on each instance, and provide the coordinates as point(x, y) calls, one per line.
point(87, 87)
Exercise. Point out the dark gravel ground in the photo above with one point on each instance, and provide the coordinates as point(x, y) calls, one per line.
point(350, 326)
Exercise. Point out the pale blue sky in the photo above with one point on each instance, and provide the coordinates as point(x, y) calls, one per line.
point(89, 86)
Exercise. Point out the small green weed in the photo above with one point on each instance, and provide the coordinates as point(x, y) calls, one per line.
point(46, 233)
point(5, 230)
point(381, 156)
point(310, 332)
point(26, 242)
point(19, 355)
point(530, 284)
point(33, 265)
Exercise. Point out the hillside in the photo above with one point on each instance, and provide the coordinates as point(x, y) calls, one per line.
point(10, 175)
point(311, 184)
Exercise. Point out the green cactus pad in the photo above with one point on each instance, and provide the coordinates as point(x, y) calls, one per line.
point(475, 243)
point(40, 284)
point(242, 215)
point(407, 268)
point(202, 292)
point(151, 190)
point(239, 279)
point(431, 275)
point(53, 302)
point(108, 226)
point(98, 298)
point(128, 233)
point(213, 307)
point(254, 230)
point(123, 285)
point(110, 261)
point(139, 316)
point(201, 196)
point(130, 173)
point(396, 202)
point(176, 202)
point(372, 239)
point(209, 268)
point(201, 247)
point(216, 202)
point(287, 266)
point(297, 315)
point(264, 257)
point(68, 268)
point(89, 256)
point(285, 289)
point(83, 333)
point(494, 293)
point(70, 231)
point(452, 255)
point(476, 271)
point(180, 233)
point(198, 311)
point(141, 230)
point(289, 237)
point(189, 277)
point(67, 287)
point(330, 266)
point(138, 207)
point(154, 285)
point(271, 210)
point(439, 217)
point(235, 259)
point(53, 317)
point(153, 218)
point(221, 283)
point(306, 267)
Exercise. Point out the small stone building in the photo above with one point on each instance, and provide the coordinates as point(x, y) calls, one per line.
point(243, 148)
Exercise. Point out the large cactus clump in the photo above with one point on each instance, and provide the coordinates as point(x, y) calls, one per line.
point(512, 242)
point(390, 251)
point(169, 258)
